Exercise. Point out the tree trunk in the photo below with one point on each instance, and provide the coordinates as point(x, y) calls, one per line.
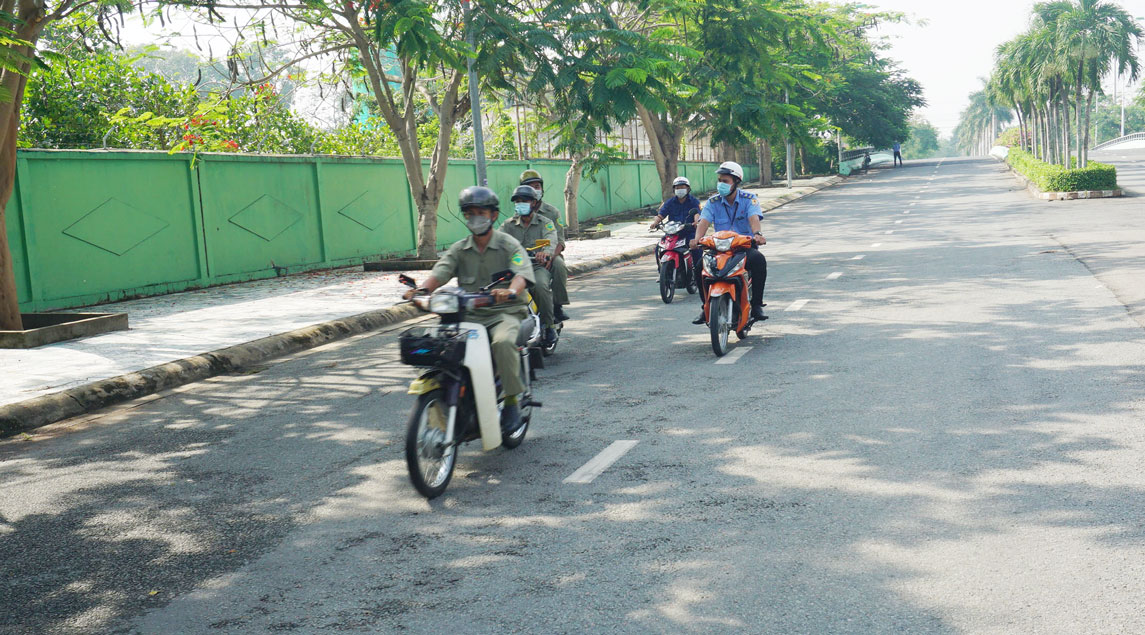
point(31, 16)
point(1066, 152)
point(1088, 121)
point(664, 139)
point(9, 302)
point(572, 192)
point(765, 162)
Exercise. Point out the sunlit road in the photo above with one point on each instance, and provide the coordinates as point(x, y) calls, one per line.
point(939, 430)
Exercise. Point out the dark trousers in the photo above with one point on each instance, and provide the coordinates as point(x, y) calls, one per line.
point(898, 158)
point(757, 265)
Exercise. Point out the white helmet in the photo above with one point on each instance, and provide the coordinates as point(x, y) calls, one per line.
point(732, 168)
point(681, 181)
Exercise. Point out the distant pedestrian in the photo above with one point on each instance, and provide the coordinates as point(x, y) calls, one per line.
point(898, 153)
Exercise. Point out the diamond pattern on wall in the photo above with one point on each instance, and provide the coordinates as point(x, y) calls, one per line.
point(267, 217)
point(115, 227)
point(363, 211)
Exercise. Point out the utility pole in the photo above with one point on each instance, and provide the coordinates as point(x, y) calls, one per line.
point(475, 101)
point(790, 155)
point(839, 147)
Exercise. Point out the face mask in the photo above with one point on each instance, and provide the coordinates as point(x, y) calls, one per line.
point(724, 188)
point(681, 193)
point(540, 192)
point(523, 209)
point(479, 224)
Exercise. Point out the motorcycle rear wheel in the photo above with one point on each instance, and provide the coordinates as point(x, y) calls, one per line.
point(430, 456)
point(719, 323)
point(549, 350)
point(667, 282)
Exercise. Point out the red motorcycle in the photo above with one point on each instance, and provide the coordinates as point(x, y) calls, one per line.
point(674, 261)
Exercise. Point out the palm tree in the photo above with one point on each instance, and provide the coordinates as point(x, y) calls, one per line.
point(1096, 36)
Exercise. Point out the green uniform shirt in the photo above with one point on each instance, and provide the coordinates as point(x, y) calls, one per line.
point(541, 228)
point(474, 268)
point(554, 215)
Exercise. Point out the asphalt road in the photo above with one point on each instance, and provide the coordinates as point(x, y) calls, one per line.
point(944, 438)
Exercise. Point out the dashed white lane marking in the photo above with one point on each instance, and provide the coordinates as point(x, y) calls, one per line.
point(906, 212)
point(734, 356)
point(859, 257)
point(599, 463)
point(834, 275)
point(912, 204)
point(796, 305)
point(876, 245)
point(898, 222)
point(889, 232)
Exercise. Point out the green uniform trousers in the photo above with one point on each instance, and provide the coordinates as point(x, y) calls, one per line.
point(560, 275)
point(543, 295)
point(503, 327)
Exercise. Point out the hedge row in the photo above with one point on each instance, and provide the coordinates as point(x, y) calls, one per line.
point(1055, 178)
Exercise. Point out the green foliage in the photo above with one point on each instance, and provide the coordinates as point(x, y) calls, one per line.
point(923, 140)
point(1107, 119)
point(1055, 178)
point(1010, 138)
point(67, 104)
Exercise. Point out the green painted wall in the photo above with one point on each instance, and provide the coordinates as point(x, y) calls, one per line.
point(87, 227)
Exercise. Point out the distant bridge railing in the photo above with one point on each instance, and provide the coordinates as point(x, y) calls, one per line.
point(1136, 136)
point(855, 153)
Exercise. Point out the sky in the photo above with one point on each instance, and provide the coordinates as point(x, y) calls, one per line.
point(955, 47)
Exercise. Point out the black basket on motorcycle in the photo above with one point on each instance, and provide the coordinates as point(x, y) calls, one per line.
point(424, 347)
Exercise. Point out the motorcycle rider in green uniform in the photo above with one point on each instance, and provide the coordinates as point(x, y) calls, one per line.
point(558, 269)
point(473, 261)
point(528, 226)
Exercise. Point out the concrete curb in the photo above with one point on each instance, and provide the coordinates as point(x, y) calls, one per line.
point(41, 411)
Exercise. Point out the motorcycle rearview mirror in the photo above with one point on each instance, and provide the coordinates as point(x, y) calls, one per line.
point(407, 281)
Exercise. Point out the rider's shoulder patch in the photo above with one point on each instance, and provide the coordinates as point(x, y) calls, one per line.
point(517, 259)
point(549, 227)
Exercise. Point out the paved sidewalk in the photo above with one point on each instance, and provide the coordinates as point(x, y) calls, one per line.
point(176, 326)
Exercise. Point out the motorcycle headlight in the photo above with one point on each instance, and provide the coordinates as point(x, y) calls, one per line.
point(444, 303)
point(710, 264)
point(723, 244)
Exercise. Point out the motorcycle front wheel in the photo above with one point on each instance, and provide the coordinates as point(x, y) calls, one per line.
point(430, 456)
point(719, 323)
point(667, 281)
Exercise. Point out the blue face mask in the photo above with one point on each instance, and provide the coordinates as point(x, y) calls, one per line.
point(523, 209)
point(724, 188)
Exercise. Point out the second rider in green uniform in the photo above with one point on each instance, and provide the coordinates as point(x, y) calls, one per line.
point(558, 269)
point(529, 227)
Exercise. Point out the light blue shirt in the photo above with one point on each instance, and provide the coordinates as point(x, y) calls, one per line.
point(723, 216)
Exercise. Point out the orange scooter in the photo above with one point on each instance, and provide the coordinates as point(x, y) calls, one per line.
point(726, 286)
